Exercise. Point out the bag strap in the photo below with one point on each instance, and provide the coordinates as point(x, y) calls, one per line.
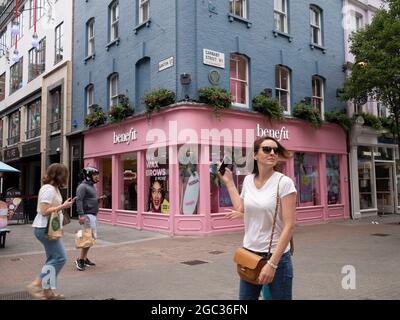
point(278, 201)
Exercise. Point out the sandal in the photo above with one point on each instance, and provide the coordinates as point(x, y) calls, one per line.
point(51, 295)
point(35, 291)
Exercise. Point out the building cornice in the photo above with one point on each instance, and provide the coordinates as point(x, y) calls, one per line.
point(365, 5)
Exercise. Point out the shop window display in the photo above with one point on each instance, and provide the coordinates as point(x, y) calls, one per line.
point(157, 176)
point(365, 182)
point(333, 179)
point(106, 182)
point(307, 179)
point(128, 199)
point(219, 196)
point(189, 180)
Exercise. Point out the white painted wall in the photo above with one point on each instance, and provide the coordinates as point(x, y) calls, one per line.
point(61, 11)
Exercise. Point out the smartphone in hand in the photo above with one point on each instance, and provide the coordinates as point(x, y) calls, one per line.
point(225, 165)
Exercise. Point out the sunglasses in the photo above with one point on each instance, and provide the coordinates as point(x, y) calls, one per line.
point(267, 150)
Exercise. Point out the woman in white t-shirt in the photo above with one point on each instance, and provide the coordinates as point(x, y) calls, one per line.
point(256, 204)
point(50, 201)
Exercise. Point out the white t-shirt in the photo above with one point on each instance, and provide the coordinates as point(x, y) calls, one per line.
point(50, 195)
point(259, 210)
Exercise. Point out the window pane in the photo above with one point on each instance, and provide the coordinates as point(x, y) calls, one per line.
point(219, 196)
point(129, 174)
point(233, 66)
point(106, 182)
point(365, 182)
point(242, 75)
point(242, 92)
point(333, 178)
point(284, 79)
point(307, 179)
point(189, 180)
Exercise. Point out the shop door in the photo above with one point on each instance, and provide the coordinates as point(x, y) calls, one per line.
point(384, 187)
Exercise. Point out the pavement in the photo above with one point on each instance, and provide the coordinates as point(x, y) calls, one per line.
point(142, 265)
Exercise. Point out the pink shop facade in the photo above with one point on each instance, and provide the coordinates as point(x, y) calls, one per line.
point(159, 173)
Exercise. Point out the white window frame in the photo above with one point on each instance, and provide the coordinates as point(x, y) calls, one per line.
point(236, 58)
point(90, 38)
point(114, 20)
point(58, 44)
point(280, 12)
point(316, 25)
point(37, 60)
point(33, 123)
point(113, 95)
point(242, 4)
point(315, 98)
point(358, 21)
point(279, 88)
point(89, 98)
point(3, 42)
point(144, 10)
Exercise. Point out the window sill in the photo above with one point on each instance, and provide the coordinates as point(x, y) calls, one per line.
point(318, 47)
point(240, 105)
point(277, 33)
point(112, 43)
point(142, 25)
point(54, 133)
point(92, 56)
point(233, 17)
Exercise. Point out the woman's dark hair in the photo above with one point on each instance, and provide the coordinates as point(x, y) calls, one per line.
point(163, 193)
point(283, 153)
point(56, 175)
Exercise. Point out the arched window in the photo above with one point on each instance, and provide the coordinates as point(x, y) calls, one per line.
point(113, 20)
point(280, 15)
point(89, 94)
point(239, 80)
point(282, 87)
point(317, 99)
point(90, 37)
point(316, 25)
point(113, 89)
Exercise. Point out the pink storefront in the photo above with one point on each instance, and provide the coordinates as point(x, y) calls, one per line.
point(158, 174)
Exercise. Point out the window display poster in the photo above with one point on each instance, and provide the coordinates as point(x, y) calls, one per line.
point(191, 194)
point(158, 192)
point(333, 179)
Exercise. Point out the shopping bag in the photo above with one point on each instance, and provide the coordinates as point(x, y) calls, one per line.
point(66, 219)
point(53, 229)
point(84, 238)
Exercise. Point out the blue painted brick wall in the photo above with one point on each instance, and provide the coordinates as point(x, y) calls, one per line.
point(183, 28)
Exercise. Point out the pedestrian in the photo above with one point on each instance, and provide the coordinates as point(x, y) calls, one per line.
point(256, 204)
point(50, 202)
point(87, 207)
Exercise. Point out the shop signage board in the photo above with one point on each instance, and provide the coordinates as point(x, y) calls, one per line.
point(125, 137)
point(30, 148)
point(11, 154)
point(166, 63)
point(214, 58)
point(278, 134)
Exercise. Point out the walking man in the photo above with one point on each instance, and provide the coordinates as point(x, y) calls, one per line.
point(87, 205)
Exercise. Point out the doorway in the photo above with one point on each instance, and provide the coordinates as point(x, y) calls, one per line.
point(384, 173)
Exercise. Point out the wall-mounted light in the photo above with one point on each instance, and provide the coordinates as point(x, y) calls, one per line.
point(35, 40)
point(15, 56)
point(15, 29)
point(185, 79)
